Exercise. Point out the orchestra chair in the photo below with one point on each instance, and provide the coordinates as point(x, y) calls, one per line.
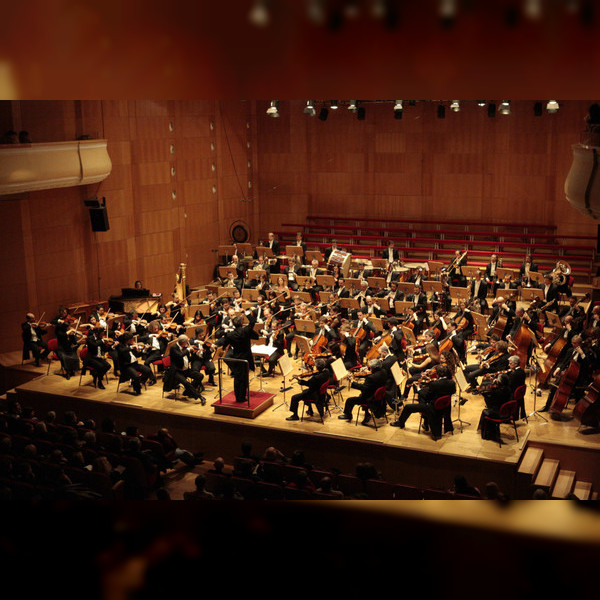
point(519, 398)
point(52, 355)
point(323, 397)
point(123, 379)
point(378, 398)
point(165, 361)
point(442, 409)
point(82, 356)
point(508, 414)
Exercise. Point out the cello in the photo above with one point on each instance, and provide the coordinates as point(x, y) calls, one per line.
point(587, 410)
point(522, 341)
point(565, 386)
point(551, 359)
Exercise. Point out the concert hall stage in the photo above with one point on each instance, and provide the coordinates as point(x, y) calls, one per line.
point(401, 455)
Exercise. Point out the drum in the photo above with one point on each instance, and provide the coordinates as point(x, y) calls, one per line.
point(342, 260)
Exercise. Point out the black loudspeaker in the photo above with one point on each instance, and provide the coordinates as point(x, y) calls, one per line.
point(99, 219)
point(441, 110)
point(360, 113)
point(491, 110)
point(537, 109)
point(598, 240)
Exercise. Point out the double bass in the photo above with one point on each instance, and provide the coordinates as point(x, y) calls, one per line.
point(587, 410)
point(522, 342)
point(551, 359)
point(565, 386)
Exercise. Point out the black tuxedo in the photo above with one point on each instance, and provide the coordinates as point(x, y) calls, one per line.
point(96, 349)
point(311, 393)
point(181, 370)
point(386, 254)
point(130, 368)
point(33, 342)
point(378, 378)
point(240, 347)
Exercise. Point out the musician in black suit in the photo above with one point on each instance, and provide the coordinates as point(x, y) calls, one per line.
point(312, 392)
point(33, 343)
point(96, 349)
point(550, 290)
point(181, 370)
point(240, 342)
point(491, 273)
point(363, 323)
point(129, 366)
point(501, 309)
point(455, 269)
point(458, 341)
point(419, 300)
point(273, 244)
point(418, 277)
point(302, 244)
point(498, 361)
point(427, 395)
point(390, 253)
point(525, 270)
point(329, 251)
point(478, 291)
point(202, 355)
point(376, 379)
point(464, 320)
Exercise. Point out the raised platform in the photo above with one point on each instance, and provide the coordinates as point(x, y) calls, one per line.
point(258, 403)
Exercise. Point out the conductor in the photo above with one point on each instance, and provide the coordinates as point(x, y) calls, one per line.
point(240, 342)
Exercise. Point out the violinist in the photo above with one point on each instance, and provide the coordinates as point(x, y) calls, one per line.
point(376, 379)
point(372, 308)
point(399, 343)
point(181, 371)
point(579, 353)
point(497, 361)
point(134, 324)
point(311, 393)
point(202, 353)
point(281, 289)
point(275, 337)
point(94, 359)
point(32, 333)
point(437, 387)
point(156, 344)
point(263, 286)
point(439, 327)
point(100, 315)
point(129, 366)
point(422, 369)
point(575, 311)
point(497, 392)
point(176, 309)
point(68, 342)
point(478, 293)
point(419, 300)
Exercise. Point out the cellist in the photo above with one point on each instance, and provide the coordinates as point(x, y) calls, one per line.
point(584, 358)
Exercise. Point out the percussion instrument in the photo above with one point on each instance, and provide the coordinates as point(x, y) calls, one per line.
point(340, 259)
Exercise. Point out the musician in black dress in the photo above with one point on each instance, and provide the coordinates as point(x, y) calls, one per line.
point(33, 342)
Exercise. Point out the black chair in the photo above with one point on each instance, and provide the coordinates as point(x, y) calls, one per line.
point(378, 400)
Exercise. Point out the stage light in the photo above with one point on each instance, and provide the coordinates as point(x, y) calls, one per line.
point(480, 102)
point(455, 106)
point(552, 106)
point(323, 114)
point(504, 108)
point(259, 14)
point(352, 106)
point(273, 110)
point(441, 111)
point(309, 109)
point(398, 105)
point(334, 105)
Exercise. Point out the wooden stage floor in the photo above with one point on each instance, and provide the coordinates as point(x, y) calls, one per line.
point(367, 444)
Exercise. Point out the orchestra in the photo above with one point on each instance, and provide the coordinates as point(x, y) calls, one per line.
point(357, 317)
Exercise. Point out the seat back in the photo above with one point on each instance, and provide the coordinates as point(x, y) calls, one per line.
point(166, 361)
point(53, 345)
point(83, 351)
point(442, 402)
point(379, 394)
point(508, 409)
point(519, 393)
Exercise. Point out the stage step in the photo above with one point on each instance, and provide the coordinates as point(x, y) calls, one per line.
point(583, 490)
point(564, 484)
point(547, 474)
point(531, 462)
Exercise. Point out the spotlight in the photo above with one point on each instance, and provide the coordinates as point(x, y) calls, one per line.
point(537, 109)
point(323, 114)
point(334, 105)
point(352, 107)
point(398, 109)
point(259, 14)
point(455, 106)
point(309, 109)
point(552, 106)
point(441, 111)
point(480, 102)
point(491, 109)
point(504, 107)
point(273, 110)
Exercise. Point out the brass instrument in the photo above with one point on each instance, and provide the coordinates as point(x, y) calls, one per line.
point(561, 272)
point(453, 263)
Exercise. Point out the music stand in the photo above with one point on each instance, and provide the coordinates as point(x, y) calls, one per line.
point(434, 267)
point(302, 279)
point(536, 367)
point(349, 303)
point(530, 294)
point(459, 293)
point(462, 385)
point(264, 251)
point(471, 271)
point(262, 351)
point(353, 283)
point(250, 294)
point(431, 286)
point(294, 251)
point(285, 364)
point(377, 322)
point(224, 272)
point(311, 255)
point(302, 343)
point(376, 283)
point(406, 287)
point(400, 378)
point(340, 372)
point(401, 306)
point(408, 334)
point(227, 250)
point(481, 326)
point(244, 248)
point(504, 271)
point(325, 281)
